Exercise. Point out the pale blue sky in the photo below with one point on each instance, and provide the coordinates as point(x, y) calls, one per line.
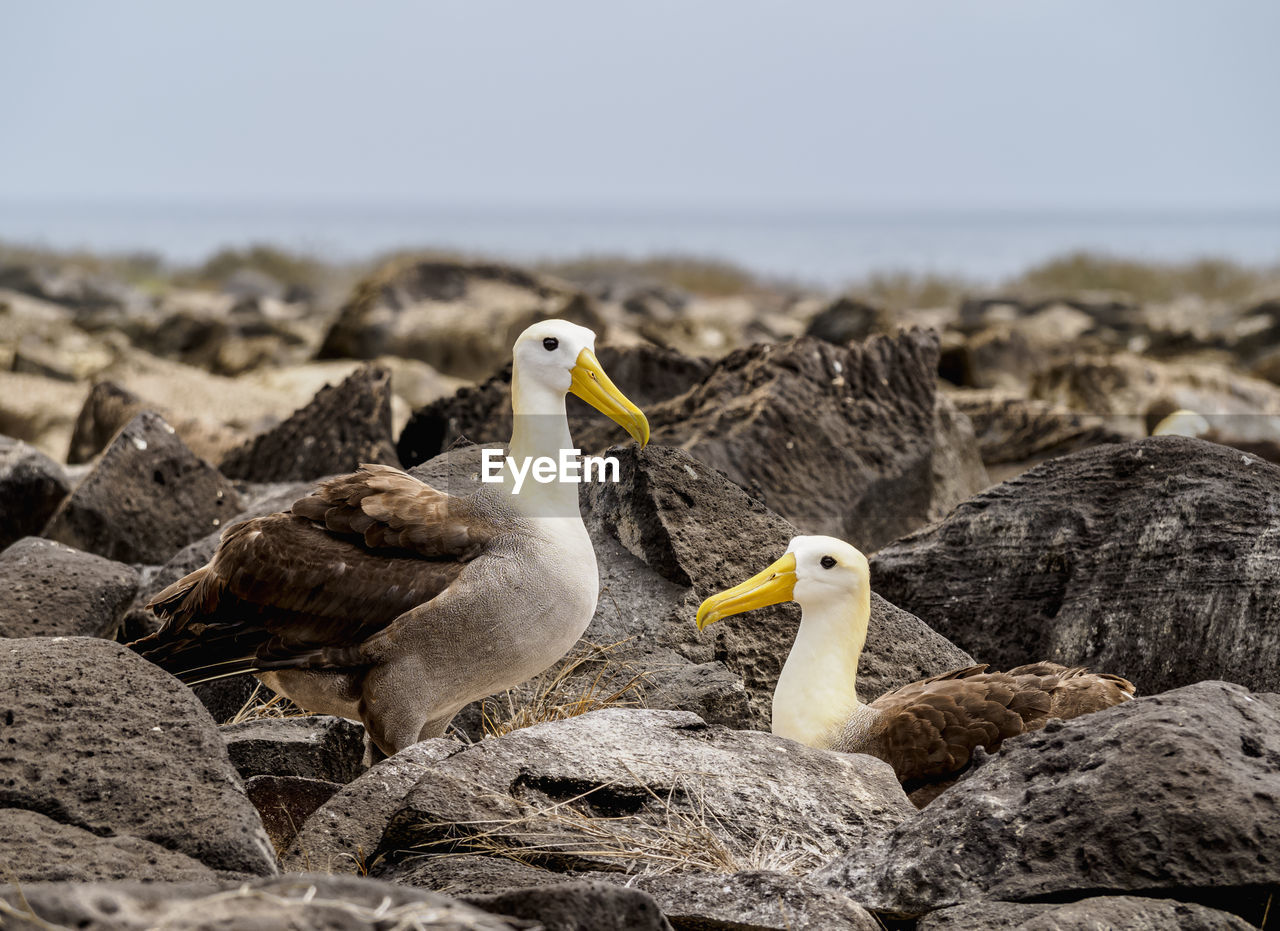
point(930, 103)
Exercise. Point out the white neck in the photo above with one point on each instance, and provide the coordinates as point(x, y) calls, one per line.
point(540, 429)
point(816, 693)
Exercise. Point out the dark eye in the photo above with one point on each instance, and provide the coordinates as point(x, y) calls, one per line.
point(550, 344)
point(827, 562)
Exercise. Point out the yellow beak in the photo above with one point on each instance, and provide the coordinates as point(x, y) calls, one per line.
point(776, 584)
point(592, 385)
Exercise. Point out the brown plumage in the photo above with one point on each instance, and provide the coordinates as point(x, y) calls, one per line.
point(929, 730)
point(308, 588)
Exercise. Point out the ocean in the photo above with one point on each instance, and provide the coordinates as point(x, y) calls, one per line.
point(824, 248)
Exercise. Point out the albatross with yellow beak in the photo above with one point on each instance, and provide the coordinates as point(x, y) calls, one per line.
point(928, 730)
point(381, 599)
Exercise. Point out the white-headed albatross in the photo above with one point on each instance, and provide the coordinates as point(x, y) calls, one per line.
point(928, 730)
point(385, 601)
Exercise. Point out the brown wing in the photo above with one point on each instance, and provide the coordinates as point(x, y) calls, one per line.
point(306, 588)
point(932, 727)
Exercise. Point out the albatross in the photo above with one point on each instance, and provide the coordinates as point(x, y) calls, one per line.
point(927, 730)
point(381, 599)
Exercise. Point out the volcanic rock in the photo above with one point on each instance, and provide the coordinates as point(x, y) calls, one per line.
point(564, 794)
point(853, 441)
point(313, 747)
point(341, 428)
point(335, 903)
point(285, 803)
point(1158, 560)
point(461, 318)
point(83, 718)
point(51, 590)
point(1127, 912)
point(31, 487)
point(147, 497)
point(1171, 795)
point(845, 320)
point(579, 906)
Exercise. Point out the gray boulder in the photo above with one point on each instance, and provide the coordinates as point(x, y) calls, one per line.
point(343, 426)
point(99, 739)
point(760, 900)
point(48, 589)
point(609, 789)
point(1174, 795)
point(335, 903)
point(145, 499)
point(579, 906)
point(31, 487)
point(852, 441)
point(1158, 560)
point(38, 848)
point(342, 835)
point(1112, 912)
point(312, 747)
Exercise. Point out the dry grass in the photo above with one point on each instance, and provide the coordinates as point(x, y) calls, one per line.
point(591, 677)
point(912, 290)
point(1213, 279)
point(682, 838)
point(264, 703)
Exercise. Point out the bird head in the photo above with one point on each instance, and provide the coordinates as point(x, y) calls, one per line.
point(560, 356)
point(814, 571)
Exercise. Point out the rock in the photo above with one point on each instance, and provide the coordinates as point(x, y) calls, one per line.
point(334, 903)
point(695, 528)
point(342, 835)
point(588, 791)
point(756, 899)
point(1158, 560)
point(147, 497)
point(83, 291)
point(31, 487)
point(647, 374)
point(37, 848)
point(51, 590)
point(313, 747)
point(846, 441)
point(108, 408)
point(285, 803)
point(845, 320)
point(1173, 795)
point(341, 428)
point(39, 410)
point(99, 739)
point(1015, 433)
point(460, 318)
point(1118, 912)
point(579, 906)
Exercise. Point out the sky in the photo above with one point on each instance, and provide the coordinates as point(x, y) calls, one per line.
point(1017, 104)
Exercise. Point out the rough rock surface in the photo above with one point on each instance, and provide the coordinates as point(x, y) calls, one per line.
point(695, 528)
point(334, 903)
point(564, 794)
point(342, 427)
point(97, 738)
point(31, 487)
point(461, 318)
point(1158, 560)
point(147, 497)
point(1173, 795)
point(645, 373)
point(756, 899)
point(286, 802)
point(37, 848)
point(313, 747)
point(854, 442)
point(579, 906)
point(342, 835)
point(48, 589)
point(1113, 912)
